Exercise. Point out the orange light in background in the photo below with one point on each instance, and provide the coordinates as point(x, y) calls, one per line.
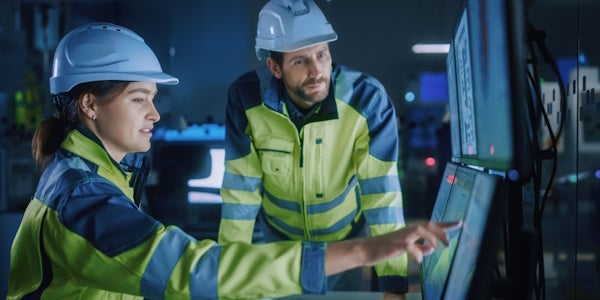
point(492, 149)
point(430, 161)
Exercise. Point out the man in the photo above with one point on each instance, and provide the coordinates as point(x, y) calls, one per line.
point(311, 146)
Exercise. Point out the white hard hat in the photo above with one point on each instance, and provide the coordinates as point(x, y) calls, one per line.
point(290, 25)
point(104, 51)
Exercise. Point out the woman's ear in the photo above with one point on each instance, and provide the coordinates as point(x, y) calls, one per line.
point(87, 106)
point(274, 67)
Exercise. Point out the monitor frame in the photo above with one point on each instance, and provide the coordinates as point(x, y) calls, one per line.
point(483, 207)
point(490, 106)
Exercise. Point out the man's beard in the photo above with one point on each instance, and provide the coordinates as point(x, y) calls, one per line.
point(314, 98)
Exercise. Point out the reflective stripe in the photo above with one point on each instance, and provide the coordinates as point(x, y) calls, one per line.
point(236, 211)
point(384, 215)
point(204, 277)
point(383, 184)
point(324, 207)
point(241, 183)
point(286, 204)
point(287, 228)
point(339, 225)
point(163, 261)
point(314, 209)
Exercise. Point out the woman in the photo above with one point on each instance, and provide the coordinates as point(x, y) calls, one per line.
point(83, 236)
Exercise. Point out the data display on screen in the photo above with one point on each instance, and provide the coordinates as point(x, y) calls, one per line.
point(476, 224)
point(468, 137)
point(435, 267)
point(491, 105)
point(461, 188)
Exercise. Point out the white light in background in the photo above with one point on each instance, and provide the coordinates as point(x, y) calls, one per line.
point(204, 198)
point(217, 169)
point(430, 48)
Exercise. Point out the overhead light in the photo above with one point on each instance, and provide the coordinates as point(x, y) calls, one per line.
point(430, 48)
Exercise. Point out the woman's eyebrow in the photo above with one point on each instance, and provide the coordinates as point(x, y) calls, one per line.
point(143, 90)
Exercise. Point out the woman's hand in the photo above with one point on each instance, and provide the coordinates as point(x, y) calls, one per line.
point(416, 239)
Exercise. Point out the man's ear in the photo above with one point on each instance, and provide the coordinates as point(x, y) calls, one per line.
point(87, 105)
point(274, 67)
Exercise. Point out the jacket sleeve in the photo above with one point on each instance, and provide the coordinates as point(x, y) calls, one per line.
point(104, 241)
point(242, 181)
point(381, 197)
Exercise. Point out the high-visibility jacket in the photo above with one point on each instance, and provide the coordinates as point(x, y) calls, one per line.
point(83, 237)
point(313, 183)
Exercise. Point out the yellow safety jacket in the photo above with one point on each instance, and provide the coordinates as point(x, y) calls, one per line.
point(314, 183)
point(83, 237)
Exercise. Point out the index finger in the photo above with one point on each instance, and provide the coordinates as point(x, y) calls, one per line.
point(439, 230)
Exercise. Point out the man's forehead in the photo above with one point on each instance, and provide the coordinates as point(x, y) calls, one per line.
point(307, 51)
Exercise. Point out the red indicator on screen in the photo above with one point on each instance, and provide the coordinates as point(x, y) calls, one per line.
point(451, 179)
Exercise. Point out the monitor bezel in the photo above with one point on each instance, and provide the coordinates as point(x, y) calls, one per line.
point(518, 132)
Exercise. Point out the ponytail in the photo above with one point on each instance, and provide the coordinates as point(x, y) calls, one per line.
point(52, 131)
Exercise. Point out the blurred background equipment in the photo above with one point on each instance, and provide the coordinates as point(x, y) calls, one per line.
point(207, 45)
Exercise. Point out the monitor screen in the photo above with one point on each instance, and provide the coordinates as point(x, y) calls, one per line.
point(489, 63)
point(465, 194)
point(434, 268)
point(464, 81)
point(471, 274)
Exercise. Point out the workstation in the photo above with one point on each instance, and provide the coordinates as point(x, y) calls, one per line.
point(497, 129)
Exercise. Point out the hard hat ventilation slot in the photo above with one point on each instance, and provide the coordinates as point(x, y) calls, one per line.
point(297, 7)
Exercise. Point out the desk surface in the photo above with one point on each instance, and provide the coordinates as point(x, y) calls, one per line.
point(340, 295)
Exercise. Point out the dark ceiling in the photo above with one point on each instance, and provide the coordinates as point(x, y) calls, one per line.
point(375, 36)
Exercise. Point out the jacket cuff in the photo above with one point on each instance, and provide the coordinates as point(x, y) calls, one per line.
point(312, 274)
point(396, 284)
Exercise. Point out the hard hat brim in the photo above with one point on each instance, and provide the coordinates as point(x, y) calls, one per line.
point(61, 84)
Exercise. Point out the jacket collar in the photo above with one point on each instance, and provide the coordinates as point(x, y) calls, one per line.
point(83, 143)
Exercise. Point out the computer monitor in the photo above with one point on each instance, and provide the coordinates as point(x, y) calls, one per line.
point(187, 170)
point(435, 267)
point(488, 61)
point(472, 272)
point(472, 196)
